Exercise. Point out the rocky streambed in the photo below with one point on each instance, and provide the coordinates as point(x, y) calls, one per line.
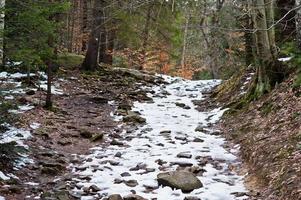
point(176, 154)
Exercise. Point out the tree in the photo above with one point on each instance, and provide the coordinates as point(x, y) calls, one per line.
point(268, 69)
point(31, 34)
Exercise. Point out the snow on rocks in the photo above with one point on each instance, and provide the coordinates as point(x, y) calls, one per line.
point(154, 148)
point(3, 176)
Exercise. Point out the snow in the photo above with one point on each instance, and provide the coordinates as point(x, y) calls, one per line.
point(285, 59)
point(34, 125)
point(2, 198)
point(3, 176)
point(144, 149)
point(14, 134)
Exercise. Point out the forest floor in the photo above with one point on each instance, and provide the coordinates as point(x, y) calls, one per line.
point(113, 133)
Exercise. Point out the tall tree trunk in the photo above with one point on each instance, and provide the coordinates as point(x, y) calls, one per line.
point(92, 54)
point(145, 35)
point(2, 5)
point(298, 24)
point(183, 60)
point(268, 69)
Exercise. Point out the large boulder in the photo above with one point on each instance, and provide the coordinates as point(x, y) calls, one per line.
point(183, 180)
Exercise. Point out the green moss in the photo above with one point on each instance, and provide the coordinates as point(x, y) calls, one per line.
point(70, 60)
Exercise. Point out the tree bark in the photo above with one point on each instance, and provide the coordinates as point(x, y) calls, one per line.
point(2, 16)
point(298, 24)
point(268, 69)
point(183, 61)
point(92, 54)
point(145, 35)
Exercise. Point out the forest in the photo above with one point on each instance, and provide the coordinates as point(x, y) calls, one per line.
point(153, 99)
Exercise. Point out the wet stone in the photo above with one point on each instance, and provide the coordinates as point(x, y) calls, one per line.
point(184, 155)
point(182, 164)
point(131, 183)
point(117, 143)
point(125, 174)
point(118, 155)
point(192, 198)
point(94, 188)
point(118, 181)
point(198, 140)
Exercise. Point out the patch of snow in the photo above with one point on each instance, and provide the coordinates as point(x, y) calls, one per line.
point(35, 125)
point(32, 183)
point(146, 147)
point(22, 109)
point(2, 198)
point(14, 134)
point(3, 176)
point(9, 97)
point(286, 59)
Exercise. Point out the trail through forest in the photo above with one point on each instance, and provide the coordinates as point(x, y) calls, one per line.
point(175, 136)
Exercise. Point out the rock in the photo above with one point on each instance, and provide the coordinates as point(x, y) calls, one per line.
point(133, 197)
point(124, 174)
point(181, 105)
point(118, 155)
point(200, 128)
point(118, 181)
point(94, 188)
point(131, 183)
point(99, 99)
point(113, 162)
point(187, 107)
point(30, 92)
point(138, 167)
point(192, 198)
point(64, 142)
point(115, 197)
point(186, 181)
point(115, 142)
point(165, 132)
point(239, 194)
point(86, 133)
point(182, 164)
point(134, 118)
point(181, 138)
point(184, 155)
point(97, 136)
point(198, 140)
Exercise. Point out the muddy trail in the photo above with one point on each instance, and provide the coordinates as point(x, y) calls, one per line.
point(142, 142)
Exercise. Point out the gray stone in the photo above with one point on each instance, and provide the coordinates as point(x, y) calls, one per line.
point(183, 180)
point(131, 183)
point(184, 155)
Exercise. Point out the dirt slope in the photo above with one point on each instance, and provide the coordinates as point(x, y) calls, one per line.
point(269, 133)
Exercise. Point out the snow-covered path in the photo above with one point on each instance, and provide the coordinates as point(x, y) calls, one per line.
point(161, 145)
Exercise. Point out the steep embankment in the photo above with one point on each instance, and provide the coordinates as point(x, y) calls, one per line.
point(270, 136)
